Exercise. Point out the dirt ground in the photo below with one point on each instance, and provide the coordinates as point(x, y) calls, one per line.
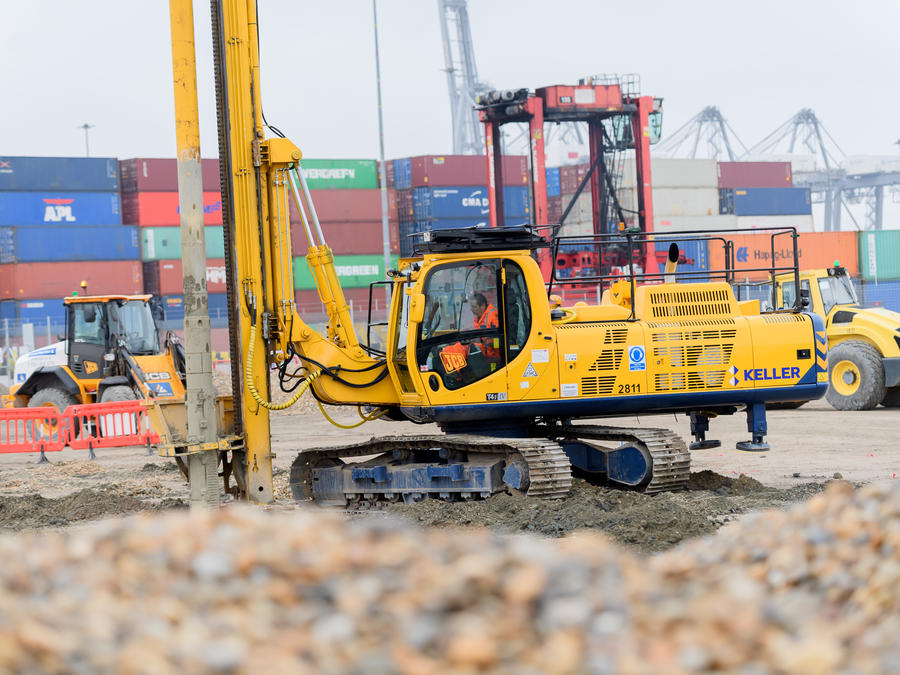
point(810, 446)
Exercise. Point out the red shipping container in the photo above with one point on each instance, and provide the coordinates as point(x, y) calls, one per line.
point(310, 307)
point(405, 209)
point(463, 170)
point(161, 175)
point(348, 237)
point(164, 277)
point(554, 209)
point(29, 281)
point(755, 174)
point(151, 209)
point(388, 173)
point(341, 206)
point(571, 176)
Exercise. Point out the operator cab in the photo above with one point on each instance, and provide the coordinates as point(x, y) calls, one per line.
point(98, 325)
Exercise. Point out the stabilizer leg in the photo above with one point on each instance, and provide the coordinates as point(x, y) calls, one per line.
point(756, 425)
point(699, 427)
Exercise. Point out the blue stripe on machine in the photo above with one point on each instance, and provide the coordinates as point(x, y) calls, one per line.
point(620, 405)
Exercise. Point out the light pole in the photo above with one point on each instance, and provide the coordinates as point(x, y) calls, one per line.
point(385, 227)
point(87, 147)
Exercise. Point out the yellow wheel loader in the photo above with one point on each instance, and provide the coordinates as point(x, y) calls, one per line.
point(111, 352)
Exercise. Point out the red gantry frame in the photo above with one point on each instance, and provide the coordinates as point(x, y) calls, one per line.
point(590, 103)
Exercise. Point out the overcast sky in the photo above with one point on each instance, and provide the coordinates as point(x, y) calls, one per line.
point(108, 63)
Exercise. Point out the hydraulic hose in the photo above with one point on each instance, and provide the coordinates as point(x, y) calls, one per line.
point(251, 387)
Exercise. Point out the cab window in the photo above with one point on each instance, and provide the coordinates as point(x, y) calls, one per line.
point(461, 334)
point(789, 294)
point(88, 325)
point(836, 291)
point(517, 310)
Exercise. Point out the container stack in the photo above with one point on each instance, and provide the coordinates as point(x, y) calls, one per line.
point(150, 201)
point(347, 198)
point(879, 268)
point(61, 225)
point(437, 192)
point(761, 194)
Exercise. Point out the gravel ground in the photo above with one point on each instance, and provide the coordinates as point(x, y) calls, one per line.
point(815, 589)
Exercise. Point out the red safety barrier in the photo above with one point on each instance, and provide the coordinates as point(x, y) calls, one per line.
point(87, 426)
point(42, 429)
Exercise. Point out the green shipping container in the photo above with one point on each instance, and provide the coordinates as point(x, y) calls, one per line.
point(879, 255)
point(343, 174)
point(164, 243)
point(353, 271)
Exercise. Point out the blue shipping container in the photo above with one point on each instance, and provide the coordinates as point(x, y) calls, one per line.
point(173, 306)
point(402, 174)
point(771, 202)
point(8, 310)
point(61, 244)
point(553, 186)
point(694, 257)
point(466, 202)
point(37, 311)
point(98, 174)
point(883, 294)
point(60, 208)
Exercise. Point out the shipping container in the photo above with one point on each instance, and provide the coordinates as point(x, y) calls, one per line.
point(755, 174)
point(879, 255)
point(60, 208)
point(693, 257)
point(37, 311)
point(339, 206)
point(815, 251)
point(353, 271)
point(7, 312)
point(402, 173)
point(801, 223)
point(310, 306)
point(45, 280)
point(161, 175)
point(581, 211)
point(345, 174)
point(61, 244)
point(405, 208)
point(765, 201)
point(164, 243)
point(882, 294)
point(676, 201)
point(674, 173)
point(154, 209)
point(388, 174)
point(571, 176)
point(459, 170)
point(348, 237)
point(173, 307)
point(91, 174)
point(688, 223)
point(554, 209)
point(466, 202)
point(164, 277)
point(576, 228)
point(553, 185)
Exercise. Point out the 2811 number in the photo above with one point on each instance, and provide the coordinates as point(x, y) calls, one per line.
point(629, 388)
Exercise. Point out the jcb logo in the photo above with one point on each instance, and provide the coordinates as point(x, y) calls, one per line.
point(90, 367)
point(58, 211)
point(158, 376)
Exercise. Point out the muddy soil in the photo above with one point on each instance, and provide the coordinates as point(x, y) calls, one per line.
point(648, 523)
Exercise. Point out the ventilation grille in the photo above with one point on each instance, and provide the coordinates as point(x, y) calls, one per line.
point(783, 318)
point(691, 335)
point(77, 367)
point(615, 336)
point(593, 325)
point(693, 380)
point(609, 359)
point(688, 356)
point(595, 386)
point(711, 302)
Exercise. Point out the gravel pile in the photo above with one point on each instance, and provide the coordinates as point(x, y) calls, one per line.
point(811, 590)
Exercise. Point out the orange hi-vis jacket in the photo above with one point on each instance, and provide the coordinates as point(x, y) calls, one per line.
point(489, 319)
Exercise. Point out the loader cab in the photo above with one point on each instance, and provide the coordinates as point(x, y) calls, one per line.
point(98, 325)
point(826, 289)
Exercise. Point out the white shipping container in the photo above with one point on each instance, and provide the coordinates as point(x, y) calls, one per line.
point(664, 224)
point(802, 223)
point(675, 173)
point(677, 201)
point(581, 211)
point(799, 163)
point(580, 228)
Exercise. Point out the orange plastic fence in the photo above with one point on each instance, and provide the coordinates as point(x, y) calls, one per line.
point(87, 426)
